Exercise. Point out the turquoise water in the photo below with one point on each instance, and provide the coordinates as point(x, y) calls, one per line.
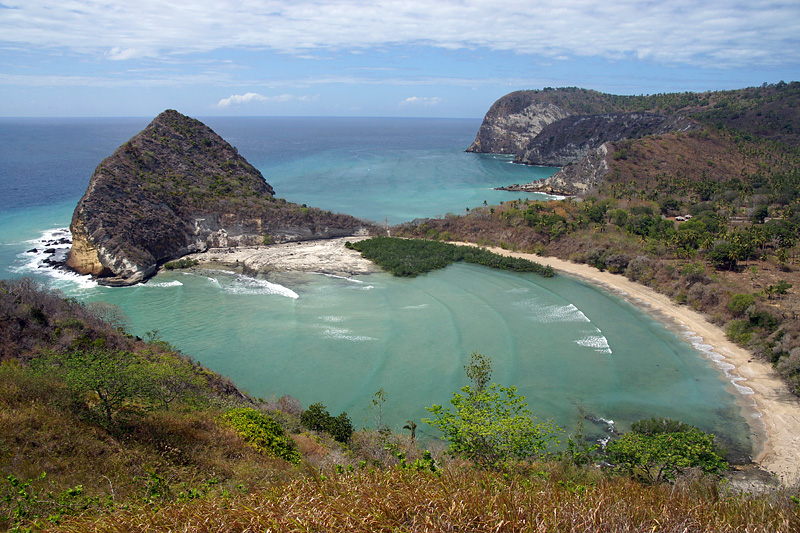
point(571, 348)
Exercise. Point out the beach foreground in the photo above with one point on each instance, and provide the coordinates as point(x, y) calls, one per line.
point(776, 422)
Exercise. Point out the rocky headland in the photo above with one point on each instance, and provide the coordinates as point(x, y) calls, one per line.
point(178, 188)
point(565, 127)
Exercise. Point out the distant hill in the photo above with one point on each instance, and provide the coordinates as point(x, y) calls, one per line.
point(176, 188)
point(560, 126)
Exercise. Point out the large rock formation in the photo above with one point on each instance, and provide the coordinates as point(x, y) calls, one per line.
point(561, 127)
point(176, 188)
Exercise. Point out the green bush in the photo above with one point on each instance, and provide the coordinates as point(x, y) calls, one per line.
point(658, 450)
point(739, 331)
point(739, 303)
point(263, 433)
point(317, 418)
point(492, 426)
point(181, 263)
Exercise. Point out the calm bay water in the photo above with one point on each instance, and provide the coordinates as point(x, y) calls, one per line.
point(569, 347)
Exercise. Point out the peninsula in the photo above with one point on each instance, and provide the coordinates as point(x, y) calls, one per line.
point(178, 188)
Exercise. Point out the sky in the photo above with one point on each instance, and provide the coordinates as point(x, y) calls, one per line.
point(415, 58)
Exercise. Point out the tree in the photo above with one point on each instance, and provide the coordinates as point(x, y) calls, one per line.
point(317, 418)
point(493, 425)
point(658, 450)
point(479, 370)
point(103, 381)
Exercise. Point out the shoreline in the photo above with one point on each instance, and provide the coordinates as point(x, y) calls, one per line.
point(770, 409)
point(757, 385)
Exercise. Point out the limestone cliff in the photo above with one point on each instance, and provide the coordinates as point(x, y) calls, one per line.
point(175, 188)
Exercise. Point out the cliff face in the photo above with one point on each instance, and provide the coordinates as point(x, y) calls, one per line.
point(176, 188)
point(513, 122)
point(568, 140)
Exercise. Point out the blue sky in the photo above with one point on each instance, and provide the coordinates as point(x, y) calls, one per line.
point(436, 58)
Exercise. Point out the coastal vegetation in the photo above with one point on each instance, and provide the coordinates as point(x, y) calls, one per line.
point(406, 257)
point(189, 451)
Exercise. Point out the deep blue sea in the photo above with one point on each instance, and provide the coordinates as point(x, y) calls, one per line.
point(571, 348)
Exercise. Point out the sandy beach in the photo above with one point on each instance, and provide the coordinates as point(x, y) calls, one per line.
point(777, 410)
point(772, 410)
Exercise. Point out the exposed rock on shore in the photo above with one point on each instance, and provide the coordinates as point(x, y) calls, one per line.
point(177, 188)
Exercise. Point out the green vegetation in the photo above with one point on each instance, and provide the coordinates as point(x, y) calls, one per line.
point(656, 450)
point(263, 433)
point(317, 418)
point(492, 427)
point(181, 264)
point(405, 257)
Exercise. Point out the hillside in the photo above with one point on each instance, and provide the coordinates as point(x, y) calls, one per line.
point(176, 188)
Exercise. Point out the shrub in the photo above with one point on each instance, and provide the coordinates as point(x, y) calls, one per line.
point(262, 433)
point(739, 303)
point(739, 332)
point(657, 450)
point(492, 426)
point(317, 418)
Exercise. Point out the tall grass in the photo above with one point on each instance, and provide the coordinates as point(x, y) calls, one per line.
point(461, 500)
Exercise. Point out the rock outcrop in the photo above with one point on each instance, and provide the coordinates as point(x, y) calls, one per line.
point(568, 140)
point(573, 179)
point(176, 188)
point(513, 122)
point(560, 127)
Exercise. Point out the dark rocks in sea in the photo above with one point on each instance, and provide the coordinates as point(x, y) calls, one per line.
point(177, 188)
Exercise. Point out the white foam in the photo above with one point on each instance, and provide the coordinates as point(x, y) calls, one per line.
point(346, 278)
point(598, 342)
point(549, 314)
point(345, 334)
point(245, 285)
point(34, 261)
point(718, 360)
point(173, 283)
point(420, 306)
point(331, 318)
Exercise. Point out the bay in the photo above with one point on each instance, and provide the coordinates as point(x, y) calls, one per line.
point(572, 349)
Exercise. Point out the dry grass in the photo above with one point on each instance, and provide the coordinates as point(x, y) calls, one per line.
point(460, 500)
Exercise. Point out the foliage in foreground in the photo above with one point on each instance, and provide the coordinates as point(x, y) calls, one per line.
point(404, 257)
point(464, 500)
point(661, 449)
point(263, 433)
point(490, 425)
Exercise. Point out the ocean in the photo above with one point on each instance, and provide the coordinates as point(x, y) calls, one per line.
point(576, 352)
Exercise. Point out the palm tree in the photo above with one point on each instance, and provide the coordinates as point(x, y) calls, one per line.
point(411, 426)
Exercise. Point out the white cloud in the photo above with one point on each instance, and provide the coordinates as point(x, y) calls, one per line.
point(239, 99)
point(711, 33)
point(247, 98)
point(418, 101)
